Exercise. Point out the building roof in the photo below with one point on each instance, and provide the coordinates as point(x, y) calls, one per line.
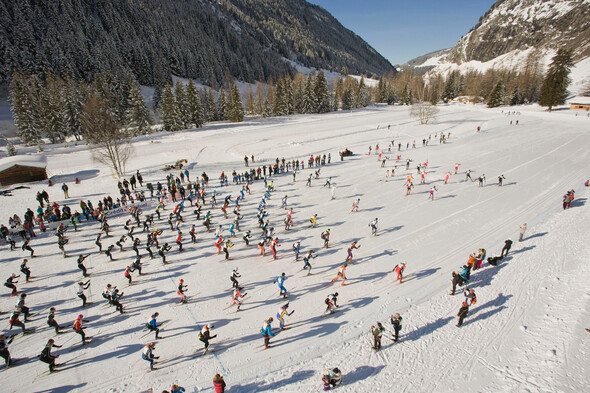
point(579, 100)
point(32, 161)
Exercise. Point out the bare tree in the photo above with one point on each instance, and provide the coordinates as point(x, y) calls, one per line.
point(108, 140)
point(422, 109)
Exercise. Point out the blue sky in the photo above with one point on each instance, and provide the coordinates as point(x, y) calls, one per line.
point(403, 29)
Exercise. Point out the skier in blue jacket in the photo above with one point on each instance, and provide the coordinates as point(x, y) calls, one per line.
point(266, 331)
point(152, 325)
point(280, 281)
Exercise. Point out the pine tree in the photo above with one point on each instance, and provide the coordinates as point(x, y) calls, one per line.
point(23, 106)
point(168, 110)
point(280, 105)
point(236, 108)
point(309, 99)
point(322, 93)
point(138, 115)
point(449, 90)
point(362, 99)
point(221, 105)
point(557, 80)
point(181, 105)
point(211, 113)
point(298, 92)
point(193, 105)
point(348, 97)
point(74, 99)
point(405, 98)
point(516, 100)
point(497, 96)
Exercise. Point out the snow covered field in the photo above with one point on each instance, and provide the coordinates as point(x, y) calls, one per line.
point(526, 332)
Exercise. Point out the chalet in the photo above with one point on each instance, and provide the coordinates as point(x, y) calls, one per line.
point(22, 169)
point(582, 103)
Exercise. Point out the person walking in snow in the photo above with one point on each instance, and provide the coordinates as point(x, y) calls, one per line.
point(396, 322)
point(377, 332)
point(463, 311)
point(500, 178)
point(522, 232)
point(507, 246)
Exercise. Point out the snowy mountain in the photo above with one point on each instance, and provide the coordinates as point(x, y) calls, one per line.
point(512, 25)
point(424, 63)
point(156, 39)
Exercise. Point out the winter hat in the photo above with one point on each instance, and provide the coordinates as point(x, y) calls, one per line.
point(80, 316)
point(464, 304)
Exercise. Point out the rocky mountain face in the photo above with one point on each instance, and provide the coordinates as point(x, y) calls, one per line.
point(521, 24)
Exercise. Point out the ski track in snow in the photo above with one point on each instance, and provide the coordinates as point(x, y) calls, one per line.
point(526, 332)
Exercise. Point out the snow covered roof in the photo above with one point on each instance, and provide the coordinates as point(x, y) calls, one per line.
point(580, 100)
point(35, 161)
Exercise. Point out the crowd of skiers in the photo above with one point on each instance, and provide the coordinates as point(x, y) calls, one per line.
point(175, 191)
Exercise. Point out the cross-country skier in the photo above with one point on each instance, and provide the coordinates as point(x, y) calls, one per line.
point(78, 328)
point(313, 220)
point(280, 280)
point(26, 246)
point(47, 357)
point(10, 281)
point(4, 352)
point(108, 252)
point(81, 266)
point(355, 205)
point(14, 321)
point(331, 302)
point(373, 224)
point(152, 325)
point(399, 269)
point(266, 331)
point(80, 291)
point(25, 270)
point(162, 252)
point(273, 246)
point(234, 278)
point(127, 274)
point(115, 296)
point(51, 322)
point(149, 355)
point(500, 178)
point(431, 193)
point(247, 236)
point(353, 246)
point(205, 336)
point(296, 247)
point(181, 289)
point(396, 322)
point(481, 180)
point(226, 246)
point(282, 313)
point(309, 255)
point(237, 296)
point(326, 237)
point(341, 274)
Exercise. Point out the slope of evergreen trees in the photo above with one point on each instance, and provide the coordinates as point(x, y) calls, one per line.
point(154, 39)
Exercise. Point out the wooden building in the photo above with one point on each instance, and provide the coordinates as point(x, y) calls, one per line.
point(22, 169)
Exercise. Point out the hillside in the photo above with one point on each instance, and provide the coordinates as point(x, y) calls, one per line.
point(191, 39)
point(522, 24)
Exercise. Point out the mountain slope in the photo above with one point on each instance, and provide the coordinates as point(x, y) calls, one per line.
point(193, 39)
point(520, 24)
